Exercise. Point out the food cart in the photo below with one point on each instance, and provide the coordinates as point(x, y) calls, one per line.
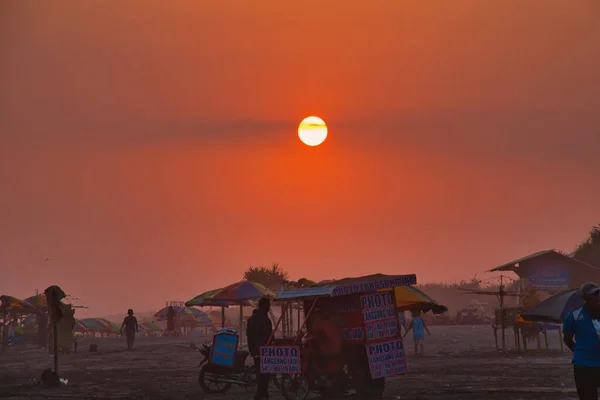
point(365, 312)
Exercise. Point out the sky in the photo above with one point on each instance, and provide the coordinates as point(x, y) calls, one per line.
point(149, 149)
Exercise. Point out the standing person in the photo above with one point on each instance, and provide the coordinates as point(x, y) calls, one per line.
point(130, 325)
point(581, 332)
point(258, 331)
point(418, 326)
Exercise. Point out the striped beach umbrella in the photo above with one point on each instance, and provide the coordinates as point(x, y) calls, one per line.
point(242, 291)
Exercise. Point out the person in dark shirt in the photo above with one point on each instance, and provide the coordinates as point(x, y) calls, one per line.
point(130, 325)
point(258, 332)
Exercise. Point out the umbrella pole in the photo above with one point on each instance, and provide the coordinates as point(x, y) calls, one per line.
point(55, 339)
point(222, 317)
point(241, 322)
point(4, 331)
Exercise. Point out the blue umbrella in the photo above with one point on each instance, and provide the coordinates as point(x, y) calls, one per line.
point(555, 308)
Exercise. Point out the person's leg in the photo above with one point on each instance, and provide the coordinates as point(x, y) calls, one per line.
point(585, 382)
point(416, 346)
point(422, 347)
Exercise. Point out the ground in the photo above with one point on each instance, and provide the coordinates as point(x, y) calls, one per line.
point(460, 363)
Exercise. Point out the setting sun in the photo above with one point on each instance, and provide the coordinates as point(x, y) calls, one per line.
point(312, 131)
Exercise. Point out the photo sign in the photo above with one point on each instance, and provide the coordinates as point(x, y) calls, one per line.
point(386, 358)
point(549, 278)
point(224, 347)
point(346, 313)
point(280, 360)
point(389, 282)
point(379, 315)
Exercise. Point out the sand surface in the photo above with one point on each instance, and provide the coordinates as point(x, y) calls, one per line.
point(460, 363)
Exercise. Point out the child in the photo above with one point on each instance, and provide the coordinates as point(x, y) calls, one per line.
point(417, 324)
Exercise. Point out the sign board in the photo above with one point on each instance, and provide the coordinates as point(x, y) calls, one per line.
point(374, 285)
point(280, 360)
point(176, 303)
point(347, 315)
point(223, 350)
point(386, 358)
point(379, 315)
point(549, 278)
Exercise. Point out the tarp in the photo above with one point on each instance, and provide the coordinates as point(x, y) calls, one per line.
point(342, 287)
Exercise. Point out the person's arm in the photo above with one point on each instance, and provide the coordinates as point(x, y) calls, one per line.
point(426, 328)
point(123, 325)
point(409, 328)
point(569, 331)
point(137, 329)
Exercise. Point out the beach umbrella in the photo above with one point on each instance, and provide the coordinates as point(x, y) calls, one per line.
point(11, 303)
point(93, 325)
point(411, 298)
point(240, 293)
point(555, 308)
point(194, 315)
point(162, 314)
point(218, 320)
point(150, 326)
point(39, 300)
point(113, 328)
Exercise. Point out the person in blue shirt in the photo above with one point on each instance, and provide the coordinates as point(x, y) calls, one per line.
point(418, 326)
point(581, 329)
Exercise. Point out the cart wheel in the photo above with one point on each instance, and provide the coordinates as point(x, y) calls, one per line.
point(209, 382)
point(294, 387)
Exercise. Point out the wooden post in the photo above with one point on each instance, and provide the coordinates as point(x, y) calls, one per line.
point(55, 340)
point(560, 339)
point(496, 336)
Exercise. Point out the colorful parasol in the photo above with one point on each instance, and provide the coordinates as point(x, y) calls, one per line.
point(200, 318)
point(17, 305)
point(205, 300)
point(162, 314)
point(93, 325)
point(242, 291)
point(217, 319)
point(150, 326)
point(38, 301)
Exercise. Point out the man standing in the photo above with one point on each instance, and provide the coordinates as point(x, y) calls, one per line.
point(258, 332)
point(130, 325)
point(581, 330)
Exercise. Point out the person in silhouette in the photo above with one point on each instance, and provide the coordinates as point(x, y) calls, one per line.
point(258, 332)
point(581, 334)
point(130, 325)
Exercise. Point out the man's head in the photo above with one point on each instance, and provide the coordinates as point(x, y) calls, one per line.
point(264, 304)
point(130, 312)
point(591, 294)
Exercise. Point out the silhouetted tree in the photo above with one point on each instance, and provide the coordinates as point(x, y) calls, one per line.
point(588, 251)
point(272, 277)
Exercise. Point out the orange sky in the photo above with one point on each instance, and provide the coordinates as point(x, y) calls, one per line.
point(153, 145)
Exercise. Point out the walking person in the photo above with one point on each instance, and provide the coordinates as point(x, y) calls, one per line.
point(581, 334)
point(258, 331)
point(130, 325)
point(418, 326)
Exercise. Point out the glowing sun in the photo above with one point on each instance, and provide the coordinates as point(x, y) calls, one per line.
point(312, 131)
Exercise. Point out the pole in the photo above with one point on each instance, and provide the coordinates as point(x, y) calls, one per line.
point(55, 340)
point(502, 314)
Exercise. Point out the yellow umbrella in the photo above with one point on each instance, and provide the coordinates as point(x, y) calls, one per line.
point(409, 297)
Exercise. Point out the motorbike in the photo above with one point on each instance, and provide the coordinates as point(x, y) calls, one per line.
point(332, 376)
point(219, 379)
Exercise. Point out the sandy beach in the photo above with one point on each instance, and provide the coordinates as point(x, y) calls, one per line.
point(460, 363)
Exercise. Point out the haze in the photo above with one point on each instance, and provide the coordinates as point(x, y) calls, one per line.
point(149, 148)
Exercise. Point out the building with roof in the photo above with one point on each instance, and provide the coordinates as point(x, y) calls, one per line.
point(551, 271)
